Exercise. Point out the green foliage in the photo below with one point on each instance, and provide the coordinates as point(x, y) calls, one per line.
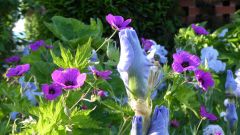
point(38, 61)
point(9, 14)
point(80, 60)
point(113, 55)
point(53, 119)
point(227, 46)
point(75, 32)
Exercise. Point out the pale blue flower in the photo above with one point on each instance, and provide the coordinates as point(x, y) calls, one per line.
point(231, 114)
point(213, 130)
point(209, 58)
point(230, 84)
point(209, 54)
point(26, 51)
point(217, 65)
point(133, 66)
point(160, 121)
point(157, 53)
point(94, 57)
point(13, 115)
point(30, 90)
point(237, 80)
point(136, 125)
point(223, 32)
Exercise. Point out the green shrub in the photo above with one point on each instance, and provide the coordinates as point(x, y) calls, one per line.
point(152, 19)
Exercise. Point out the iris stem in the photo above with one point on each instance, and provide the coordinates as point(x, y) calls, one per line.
point(106, 40)
point(200, 122)
point(122, 129)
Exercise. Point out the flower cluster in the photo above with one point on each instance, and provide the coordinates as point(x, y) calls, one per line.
point(155, 52)
point(184, 61)
point(67, 79)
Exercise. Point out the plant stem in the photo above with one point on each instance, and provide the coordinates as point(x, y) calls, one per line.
point(200, 122)
point(122, 129)
point(80, 98)
point(106, 40)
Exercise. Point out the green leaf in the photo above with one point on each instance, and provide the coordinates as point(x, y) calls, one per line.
point(75, 32)
point(83, 54)
point(113, 53)
point(67, 60)
point(186, 96)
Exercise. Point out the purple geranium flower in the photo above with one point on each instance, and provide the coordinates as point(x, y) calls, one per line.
point(184, 61)
point(175, 123)
point(18, 70)
point(103, 74)
point(102, 93)
point(205, 114)
point(51, 91)
point(147, 43)
point(199, 30)
point(69, 78)
point(84, 107)
point(204, 79)
point(117, 22)
point(12, 59)
point(35, 46)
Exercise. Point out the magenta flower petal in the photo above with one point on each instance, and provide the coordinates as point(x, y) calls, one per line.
point(204, 79)
point(199, 30)
point(204, 113)
point(175, 123)
point(12, 59)
point(51, 91)
point(184, 61)
point(117, 22)
point(102, 93)
point(36, 45)
point(126, 22)
point(18, 70)
point(147, 44)
point(69, 78)
point(102, 74)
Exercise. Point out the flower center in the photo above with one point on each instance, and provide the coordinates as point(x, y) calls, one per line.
point(68, 83)
point(201, 81)
point(185, 64)
point(51, 91)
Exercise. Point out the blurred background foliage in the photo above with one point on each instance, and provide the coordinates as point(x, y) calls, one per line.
point(9, 14)
point(151, 18)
